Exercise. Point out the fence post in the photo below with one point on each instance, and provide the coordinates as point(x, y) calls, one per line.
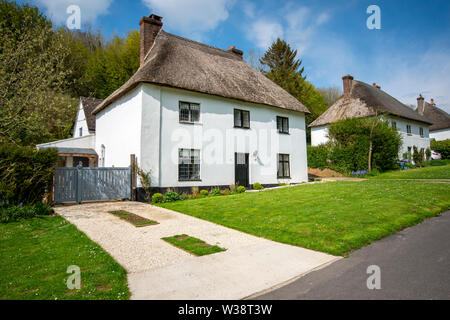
point(133, 177)
point(79, 180)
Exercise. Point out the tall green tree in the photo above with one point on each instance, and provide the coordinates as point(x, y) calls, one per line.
point(34, 78)
point(281, 65)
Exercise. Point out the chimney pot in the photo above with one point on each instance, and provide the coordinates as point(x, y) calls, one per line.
point(347, 82)
point(237, 52)
point(432, 101)
point(150, 26)
point(374, 84)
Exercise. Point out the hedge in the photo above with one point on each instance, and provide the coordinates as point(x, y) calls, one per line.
point(443, 147)
point(16, 213)
point(25, 174)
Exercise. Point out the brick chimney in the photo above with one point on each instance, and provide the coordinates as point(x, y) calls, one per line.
point(348, 82)
point(237, 52)
point(432, 102)
point(150, 27)
point(420, 104)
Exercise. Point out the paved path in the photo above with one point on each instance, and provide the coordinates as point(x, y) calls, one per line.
point(414, 264)
point(158, 270)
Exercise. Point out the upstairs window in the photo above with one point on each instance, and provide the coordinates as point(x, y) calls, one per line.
point(283, 166)
point(283, 124)
point(188, 165)
point(81, 132)
point(241, 119)
point(189, 112)
point(421, 132)
point(394, 124)
point(408, 129)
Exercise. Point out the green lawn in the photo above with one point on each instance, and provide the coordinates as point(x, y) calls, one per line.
point(330, 217)
point(441, 172)
point(193, 245)
point(35, 254)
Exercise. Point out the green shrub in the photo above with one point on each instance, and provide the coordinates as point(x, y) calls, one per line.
point(26, 174)
point(257, 186)
point(443, 147)
point(318, 156)
point(204, 193)
point(215, 192)
point(15, 213)
point(241, 189)
point(184, 196)
point(428, 154)
point(172, 196)
point(157, 198)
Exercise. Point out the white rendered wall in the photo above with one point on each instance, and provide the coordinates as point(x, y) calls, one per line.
point(413, 139)
point(440, 135)
point(80, 123)
point(319, 135)
point(217, 140)
point(118, 128)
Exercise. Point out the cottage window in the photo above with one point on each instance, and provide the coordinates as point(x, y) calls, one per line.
point(81, 132)
point(283, 166)
point(421, 132)
point(408, 129)
point(189, 165)
point(189, 112)
point(283, 124)
point(241, 119)
point(394, 124)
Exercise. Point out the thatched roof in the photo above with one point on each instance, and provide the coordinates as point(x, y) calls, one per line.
point(364, 101)
point(181, 63)
point(440, 118)
point(89, 104)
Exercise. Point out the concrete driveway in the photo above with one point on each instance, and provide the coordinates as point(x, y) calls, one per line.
point(158, 270)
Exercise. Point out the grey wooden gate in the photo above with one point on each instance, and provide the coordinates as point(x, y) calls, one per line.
point(82, 184)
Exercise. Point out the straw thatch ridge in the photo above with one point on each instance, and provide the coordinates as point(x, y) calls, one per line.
point(364, 101)
point(89, 104)
point(180, 63)
point(440, 118)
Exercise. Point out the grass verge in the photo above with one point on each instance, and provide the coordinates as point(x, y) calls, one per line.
point(35, 255)
point(333, 217)
point(134, 219)
point(193, 245)
point(431, 172)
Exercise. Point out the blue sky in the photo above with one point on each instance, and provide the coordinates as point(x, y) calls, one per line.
point(409, 55)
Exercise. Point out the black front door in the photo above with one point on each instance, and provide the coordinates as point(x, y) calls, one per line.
point(241, 169)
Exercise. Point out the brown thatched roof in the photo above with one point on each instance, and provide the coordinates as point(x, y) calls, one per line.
point(440, 118)
point(363, 101)
point(89, 104)
point(181, 63)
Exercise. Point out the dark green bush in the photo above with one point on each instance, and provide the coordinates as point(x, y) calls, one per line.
point(443, 147)
point(172, 196)
point(157, 198)
point(257, 186)
point(215, 192)
point(15, 213)
point(318, 156)
point(241, 189)
point(25, 173)
point(204, 193)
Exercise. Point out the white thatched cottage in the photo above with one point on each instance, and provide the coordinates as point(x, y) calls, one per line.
point(195, 115)
point(362, 100)
point(440, 129)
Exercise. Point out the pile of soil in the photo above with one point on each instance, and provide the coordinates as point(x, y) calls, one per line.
point(325, 173)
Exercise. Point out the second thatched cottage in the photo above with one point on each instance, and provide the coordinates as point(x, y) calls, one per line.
point(362, 100)
point(198, 116)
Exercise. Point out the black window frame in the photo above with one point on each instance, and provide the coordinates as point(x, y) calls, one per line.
point(284, 125)
point(80, 131)
point(421, 132)
point(282, 165)
point(408, 129)
point(190, 111)
point(192, 174)
point(242, 124)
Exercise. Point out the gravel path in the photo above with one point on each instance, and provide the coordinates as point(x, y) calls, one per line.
point(157, 270)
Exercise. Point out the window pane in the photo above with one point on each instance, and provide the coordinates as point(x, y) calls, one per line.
point(195, 112)
point(246, 119)
point(184, 111)
point(279, 123)
point(285, 125)
point(237, 118)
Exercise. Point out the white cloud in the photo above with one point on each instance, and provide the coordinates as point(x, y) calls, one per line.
point(90, 9)
point(191, 17)
point(263, 33)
